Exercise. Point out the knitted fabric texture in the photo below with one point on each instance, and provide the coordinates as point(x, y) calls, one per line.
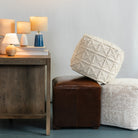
point(119, 103)
point(97, 59)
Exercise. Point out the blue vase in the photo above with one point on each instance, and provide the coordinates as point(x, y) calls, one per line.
point(38, 40)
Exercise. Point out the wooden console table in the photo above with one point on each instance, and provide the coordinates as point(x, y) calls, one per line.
point(22, 87)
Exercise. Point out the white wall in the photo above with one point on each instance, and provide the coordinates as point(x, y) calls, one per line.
point(113, 20)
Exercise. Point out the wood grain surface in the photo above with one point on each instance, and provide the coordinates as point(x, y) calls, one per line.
point(22, 89)
point(24, 60)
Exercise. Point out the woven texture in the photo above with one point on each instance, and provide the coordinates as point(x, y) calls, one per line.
point(97, 59)
point(119, 103)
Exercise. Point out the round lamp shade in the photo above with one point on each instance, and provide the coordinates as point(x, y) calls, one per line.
point(23, 27)
point(7, 26)
point(39, 23)
point(11, 38)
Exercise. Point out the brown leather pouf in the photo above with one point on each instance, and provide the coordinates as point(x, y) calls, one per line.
point(76, 102)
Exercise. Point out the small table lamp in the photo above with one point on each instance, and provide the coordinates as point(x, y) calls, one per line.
point(23, 28)
point(6, 26)
point(39, 24)
point(11, 39)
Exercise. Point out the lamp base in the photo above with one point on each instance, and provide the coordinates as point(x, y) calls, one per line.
point(23, 41)
point(11, 50)
point(38, 40)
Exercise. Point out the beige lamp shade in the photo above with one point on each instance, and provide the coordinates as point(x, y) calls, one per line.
point(11, 38)
point(7, 26)
point(23, 27)
point(39, 23)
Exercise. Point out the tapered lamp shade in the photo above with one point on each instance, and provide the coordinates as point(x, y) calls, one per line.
point(7, 26)
point(39, 23)
point(11, 38)
point(23, 27)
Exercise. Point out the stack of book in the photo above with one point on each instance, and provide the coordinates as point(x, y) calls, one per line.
point(31, 50)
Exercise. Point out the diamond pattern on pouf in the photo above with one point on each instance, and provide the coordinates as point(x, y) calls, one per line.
point(97, 59)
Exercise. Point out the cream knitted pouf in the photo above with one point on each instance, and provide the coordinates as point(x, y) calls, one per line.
point(97, 59)
point(119, 103)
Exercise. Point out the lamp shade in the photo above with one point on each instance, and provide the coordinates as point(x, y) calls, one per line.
point(7, 26)
point(11, 38)
point(39, 23)
point(23, 27)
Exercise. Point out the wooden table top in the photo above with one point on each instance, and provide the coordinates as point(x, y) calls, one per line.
point(27, 56)
point(25, 59)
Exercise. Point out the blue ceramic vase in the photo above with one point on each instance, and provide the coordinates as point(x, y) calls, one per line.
point(39, 40)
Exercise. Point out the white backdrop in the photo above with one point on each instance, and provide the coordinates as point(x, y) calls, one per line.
point(113, 20)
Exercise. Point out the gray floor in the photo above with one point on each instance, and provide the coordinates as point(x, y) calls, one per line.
point(36, 129)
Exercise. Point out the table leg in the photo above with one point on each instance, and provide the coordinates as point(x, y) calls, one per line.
point(48, 97)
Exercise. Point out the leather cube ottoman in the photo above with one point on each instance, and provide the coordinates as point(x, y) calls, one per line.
point(76, 102)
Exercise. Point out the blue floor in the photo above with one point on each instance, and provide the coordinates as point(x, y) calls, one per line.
point(36, 129)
